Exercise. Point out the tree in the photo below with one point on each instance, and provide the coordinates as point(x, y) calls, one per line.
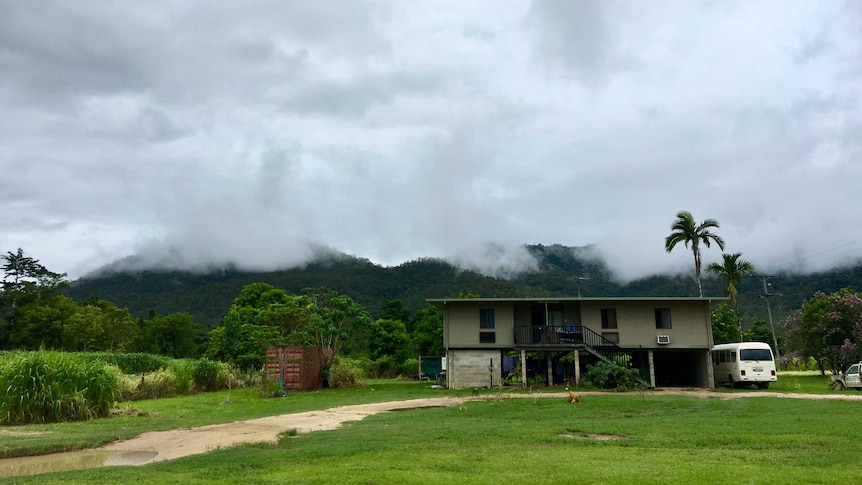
point(25, 281)
point(828, 328)
point(724, 325)
point(40, 323)
point(687, 231)
point(731, 272)
point(260, 317)
point(172, 335)
point(341, 326)
point(389, 338)
point(428, 331)
point(394, 309)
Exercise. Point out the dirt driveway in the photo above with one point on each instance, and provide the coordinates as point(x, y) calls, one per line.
point(177, 443)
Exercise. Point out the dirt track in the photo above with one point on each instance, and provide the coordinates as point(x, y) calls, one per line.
point(177, 443)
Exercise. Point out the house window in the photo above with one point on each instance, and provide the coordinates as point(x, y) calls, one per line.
point(662, 318)
point(611, 337)
point(487, 337)
point(486, 318)
point(609, 318)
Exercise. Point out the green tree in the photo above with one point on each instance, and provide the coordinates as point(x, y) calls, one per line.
point(389, 338)
point(759, 332)
point(394, 309)
point(172, 335)
point(731, 272)
point(83, 329)
point(724, 325)
point(120, 330)
point(25, 282)
point(40, 323)
point(428, 331)
point(263, 316)
point(827, 328)
point(341, 326)
point(687, 231)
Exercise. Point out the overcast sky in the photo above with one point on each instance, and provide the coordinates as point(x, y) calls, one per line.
point(201, 133)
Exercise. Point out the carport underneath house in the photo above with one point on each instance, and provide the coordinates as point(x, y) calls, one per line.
point(521, 341)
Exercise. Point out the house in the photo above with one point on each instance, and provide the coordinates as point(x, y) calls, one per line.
point(515, 341)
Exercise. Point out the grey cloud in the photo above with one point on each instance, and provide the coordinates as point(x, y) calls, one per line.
point(202, 134)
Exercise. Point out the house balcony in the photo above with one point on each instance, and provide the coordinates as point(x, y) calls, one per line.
point(542, 337)
point(549, 336)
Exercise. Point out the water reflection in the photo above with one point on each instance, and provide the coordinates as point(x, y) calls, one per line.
point(72, 460)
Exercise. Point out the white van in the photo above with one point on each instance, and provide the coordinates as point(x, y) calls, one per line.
point(743, 363)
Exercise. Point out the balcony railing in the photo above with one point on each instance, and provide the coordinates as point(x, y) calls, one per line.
point(558, 335)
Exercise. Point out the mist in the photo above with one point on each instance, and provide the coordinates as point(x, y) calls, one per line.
point(260, 136)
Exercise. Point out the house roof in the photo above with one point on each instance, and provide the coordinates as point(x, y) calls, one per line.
point(551, 299)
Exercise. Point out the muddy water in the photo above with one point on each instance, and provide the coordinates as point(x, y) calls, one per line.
point(72, 460)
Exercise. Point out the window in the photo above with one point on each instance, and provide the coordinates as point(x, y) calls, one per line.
point(487, 337)
point(486, 318)
point(662, 318)
point(609, 318)
point(611, 337)
point(755, 354)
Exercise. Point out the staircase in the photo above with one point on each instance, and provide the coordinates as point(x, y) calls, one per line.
point(576, 337)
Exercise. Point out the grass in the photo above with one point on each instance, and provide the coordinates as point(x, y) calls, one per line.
point(662, 439)
point(195, 410)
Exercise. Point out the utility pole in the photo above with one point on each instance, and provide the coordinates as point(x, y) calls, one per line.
point(580, 278)
point(766, 294)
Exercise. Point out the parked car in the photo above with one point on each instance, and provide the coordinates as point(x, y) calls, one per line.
point(848, 379)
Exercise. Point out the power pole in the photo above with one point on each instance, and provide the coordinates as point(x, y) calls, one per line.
point(766, 294)
point(580, 278)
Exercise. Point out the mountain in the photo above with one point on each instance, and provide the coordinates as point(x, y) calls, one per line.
point(560, 271)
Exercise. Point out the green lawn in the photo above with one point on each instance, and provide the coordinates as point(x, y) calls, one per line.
point(196, 410)
point(661, 439)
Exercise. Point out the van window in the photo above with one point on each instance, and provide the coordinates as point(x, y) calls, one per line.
point(755, 354)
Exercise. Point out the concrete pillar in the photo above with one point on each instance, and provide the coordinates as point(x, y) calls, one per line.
point(651, 370)
point(577, 368)
point(550, 369)
point(523, 368)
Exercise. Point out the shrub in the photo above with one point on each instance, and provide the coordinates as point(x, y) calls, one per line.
point(44, 386)
point(209, 375)
point(346, 373)
point(130, 363)
point(605, 375)
point(154, 385)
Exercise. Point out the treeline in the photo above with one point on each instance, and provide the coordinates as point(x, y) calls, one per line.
point(35, 315)
point(206, 296)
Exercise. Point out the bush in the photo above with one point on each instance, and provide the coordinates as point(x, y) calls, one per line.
point(209, 375)
point(390, 367)
point(605, 375)
point(130, 363)
point(154, 385)
point(43, 387)
point(346, 373)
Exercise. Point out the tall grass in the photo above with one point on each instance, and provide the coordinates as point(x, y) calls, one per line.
point(181, 377)
point(47, 386)
point(130, 363)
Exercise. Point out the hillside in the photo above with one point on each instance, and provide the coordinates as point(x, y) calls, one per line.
point(207, 296)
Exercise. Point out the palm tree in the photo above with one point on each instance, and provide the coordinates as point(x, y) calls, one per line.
point(731, 272)
point(686, 230)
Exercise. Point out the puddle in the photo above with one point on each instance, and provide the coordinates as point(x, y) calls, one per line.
point(72, 460)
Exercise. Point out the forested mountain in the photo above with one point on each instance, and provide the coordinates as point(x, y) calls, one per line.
point(207, 296)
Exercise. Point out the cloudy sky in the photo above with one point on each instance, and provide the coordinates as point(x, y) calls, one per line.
point(199, 133)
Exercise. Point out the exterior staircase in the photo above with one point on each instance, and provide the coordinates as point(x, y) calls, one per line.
point(576, 337)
